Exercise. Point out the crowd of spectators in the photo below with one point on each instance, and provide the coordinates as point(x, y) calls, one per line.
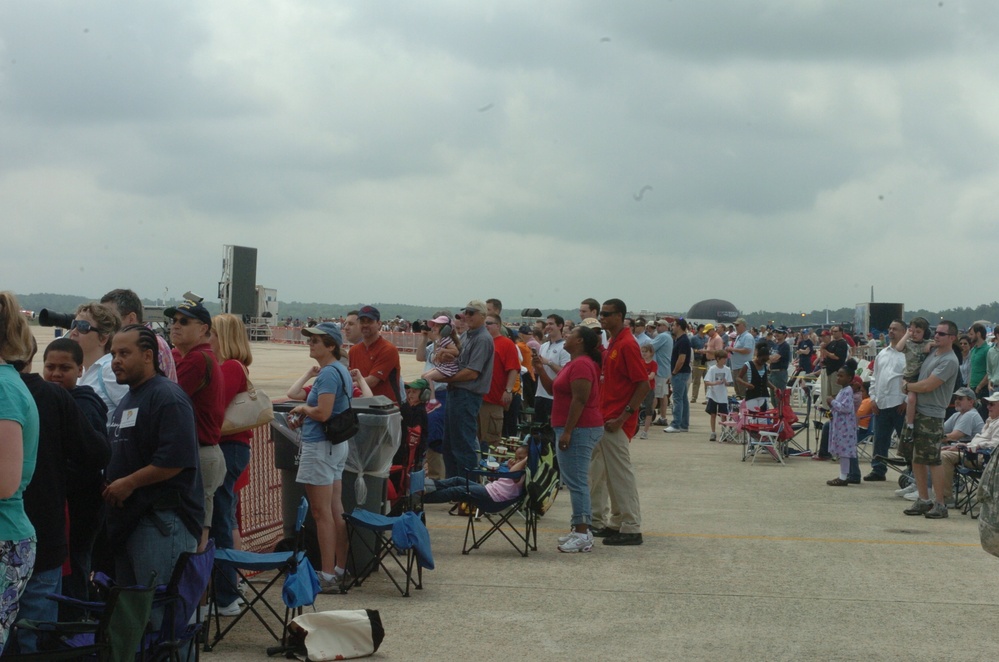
point(132, 427)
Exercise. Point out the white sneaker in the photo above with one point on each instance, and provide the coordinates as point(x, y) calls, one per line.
point(914, 495)
point(577, 542)
point(643, 435)
point(572, 532)
point(906, 490)
point(671, 429)
point(233, 609)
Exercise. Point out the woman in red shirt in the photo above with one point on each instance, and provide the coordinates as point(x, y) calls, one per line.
point(578, 426)
point(231, 347)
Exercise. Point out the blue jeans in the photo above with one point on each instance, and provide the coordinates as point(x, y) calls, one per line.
point(237, 456)
point(149, 551)
point(681, 405)
point(456, 489)
point(461, 447)
point(436, 422)
point(886, 421)
point(36, 607)
point(574, 470)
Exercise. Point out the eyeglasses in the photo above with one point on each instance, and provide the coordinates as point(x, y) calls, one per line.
point(83, 326)
point(183, 321)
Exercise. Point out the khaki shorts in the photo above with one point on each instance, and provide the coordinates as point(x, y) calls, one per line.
point(662, 386)
point(212, 466)
point(927, 436)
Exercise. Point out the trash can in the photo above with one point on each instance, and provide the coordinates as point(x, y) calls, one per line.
point(369, 459)
point(286, 446)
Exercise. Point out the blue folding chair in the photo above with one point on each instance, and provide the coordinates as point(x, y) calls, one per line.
point(403, 539)
point(287, 564)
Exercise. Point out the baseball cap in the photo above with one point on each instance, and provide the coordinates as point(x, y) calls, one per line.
point(590, 323)
point(992, 398)
point(709, 327)
point(441, 319)
point(781, 329)
point(477, 305)
point(965, 392)
point(191, 309)
point(324, 329)
point(369, 312)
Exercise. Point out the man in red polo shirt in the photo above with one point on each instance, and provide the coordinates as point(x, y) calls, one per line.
point(375, 357)
point(198, 373)
point(625, 385)
point(506, 370)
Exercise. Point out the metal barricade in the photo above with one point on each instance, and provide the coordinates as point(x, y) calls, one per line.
point(260, 500)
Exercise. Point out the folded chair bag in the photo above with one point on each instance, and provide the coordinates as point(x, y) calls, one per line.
point(337, 635)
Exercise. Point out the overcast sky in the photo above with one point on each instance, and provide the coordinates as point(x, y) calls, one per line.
point(781, 155)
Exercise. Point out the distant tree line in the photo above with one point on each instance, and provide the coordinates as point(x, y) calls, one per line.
point(963, 317)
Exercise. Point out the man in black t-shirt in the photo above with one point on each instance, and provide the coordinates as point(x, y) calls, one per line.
point(833, 355)
point(680, 377)
point(155, 497)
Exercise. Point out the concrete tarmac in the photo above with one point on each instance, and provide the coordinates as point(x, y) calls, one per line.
point(739, 561)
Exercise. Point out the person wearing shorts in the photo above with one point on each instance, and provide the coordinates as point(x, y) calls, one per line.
point(933, 393)
point(716, 382)
point(321, 463)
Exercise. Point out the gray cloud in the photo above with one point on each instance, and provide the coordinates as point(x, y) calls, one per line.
point(796, 152)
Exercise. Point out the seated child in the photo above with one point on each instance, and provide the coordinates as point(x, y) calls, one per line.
point(649, 403)
point(716, 381)
point(445, 490)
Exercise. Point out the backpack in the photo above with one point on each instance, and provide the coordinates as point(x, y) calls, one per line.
point(542, 477)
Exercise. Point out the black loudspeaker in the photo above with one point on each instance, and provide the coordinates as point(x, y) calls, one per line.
point(243, 290)
point(882, 314)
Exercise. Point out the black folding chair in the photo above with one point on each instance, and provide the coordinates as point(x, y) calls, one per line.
point(504, 518)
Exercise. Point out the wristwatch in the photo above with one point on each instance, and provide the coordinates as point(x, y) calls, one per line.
point(628, 409)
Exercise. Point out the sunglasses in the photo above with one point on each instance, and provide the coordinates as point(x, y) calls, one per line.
point(944, 333)
point(607, 313)
point(470, 311)
point(183, 321)
point(83, 326)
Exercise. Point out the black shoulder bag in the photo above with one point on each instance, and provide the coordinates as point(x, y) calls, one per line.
point(341, 427)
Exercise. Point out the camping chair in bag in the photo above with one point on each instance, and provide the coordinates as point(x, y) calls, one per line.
point(115, 637)
point(399, 544)
point(287, 566)
point(540, 489)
